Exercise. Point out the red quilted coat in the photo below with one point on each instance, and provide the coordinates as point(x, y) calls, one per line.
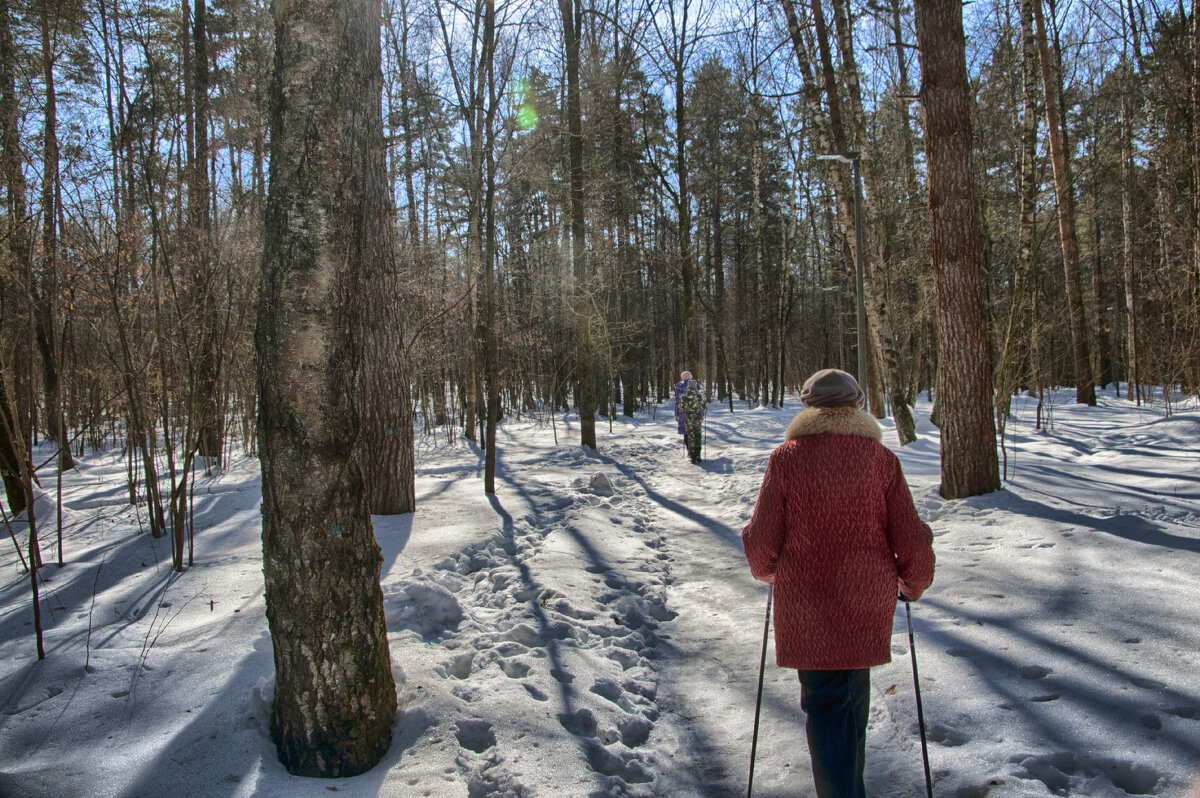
point(835, 524)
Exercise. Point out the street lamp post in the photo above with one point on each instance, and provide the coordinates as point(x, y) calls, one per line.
point(852, 158)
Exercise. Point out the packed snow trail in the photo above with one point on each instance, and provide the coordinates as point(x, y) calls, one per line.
point(709, 674)
point(613, 620)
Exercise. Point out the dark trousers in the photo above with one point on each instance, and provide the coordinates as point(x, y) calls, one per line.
point(692, 442)
point(837, 704)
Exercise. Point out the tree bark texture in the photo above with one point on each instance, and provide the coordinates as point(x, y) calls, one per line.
point(1085, 389)
point(208, 405)
point(1194, 365)
point(10, 467)
point(1007, 368)
point(969, 465)
point(1128, 273)
point(383, 393)
point(18, 249)
point(572, 21)
point(45, 288)
point(335, 697)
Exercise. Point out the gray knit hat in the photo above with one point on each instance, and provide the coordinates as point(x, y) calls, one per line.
point(832, 388)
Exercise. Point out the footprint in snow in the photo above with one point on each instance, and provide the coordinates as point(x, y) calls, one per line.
point(1058, 770)
point(581, 722)
point(534, 692)
point(624, 767)
point(475, 735)
point(607, 688)
point(1147, 684)
point(944, 735)
point(459, 666)
point(625, 658)
point(514, 668)
point(635, 730)
point(1035, 672)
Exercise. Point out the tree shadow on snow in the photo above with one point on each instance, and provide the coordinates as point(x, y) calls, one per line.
point(721, 531)
point(1128, 527)
point(1027, 691)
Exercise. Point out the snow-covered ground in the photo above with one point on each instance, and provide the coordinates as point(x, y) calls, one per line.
point(593, 630)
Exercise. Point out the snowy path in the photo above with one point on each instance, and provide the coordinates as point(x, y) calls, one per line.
point(592, 631)
point(612, 618)
point(710, 673)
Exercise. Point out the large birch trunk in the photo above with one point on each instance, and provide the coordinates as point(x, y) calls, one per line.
point(335, 697)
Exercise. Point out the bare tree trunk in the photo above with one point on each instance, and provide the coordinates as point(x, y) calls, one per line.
point(207, 403)
point(1007, 365)
point(491, 351)
point(572, 20)
point(335, 698)
point(1133, 377)
point(1085, 388)
point(45, 290)
point(881, 345)
point(17, 236)
point(763, 317)
point(1194, 344)
point(10, 467)
point(969, 464)
point(904, 380)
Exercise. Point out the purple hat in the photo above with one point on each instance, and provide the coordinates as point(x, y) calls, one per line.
point(832, 388)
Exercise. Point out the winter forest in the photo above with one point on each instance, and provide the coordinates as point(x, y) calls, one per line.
point(358, 241)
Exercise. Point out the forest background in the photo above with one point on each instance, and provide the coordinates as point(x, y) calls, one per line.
point(318, 230)
point(716, 237)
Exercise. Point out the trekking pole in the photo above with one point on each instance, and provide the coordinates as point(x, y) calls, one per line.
point(762, 666)
point(912, 649)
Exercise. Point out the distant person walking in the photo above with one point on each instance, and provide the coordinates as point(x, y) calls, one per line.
point(693, 405)
point(680, 389)
point(836, 533)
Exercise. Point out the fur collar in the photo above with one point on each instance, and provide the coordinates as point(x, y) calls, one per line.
point(838, 420)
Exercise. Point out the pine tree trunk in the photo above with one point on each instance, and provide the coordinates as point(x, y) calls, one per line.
point(335, 697)
point(385, 395)
point(969, 465)
point(1085, 388)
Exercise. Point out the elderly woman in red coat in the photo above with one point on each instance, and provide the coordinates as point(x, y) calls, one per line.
point(836, 533)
